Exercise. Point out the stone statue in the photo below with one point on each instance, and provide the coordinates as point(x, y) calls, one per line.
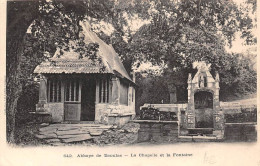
point(201, 81)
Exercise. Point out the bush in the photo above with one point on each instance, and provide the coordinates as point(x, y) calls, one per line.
point(244, 116)
point(150, 113)
point(27, 103)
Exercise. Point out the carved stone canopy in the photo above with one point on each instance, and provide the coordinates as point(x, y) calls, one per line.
point(201, 66)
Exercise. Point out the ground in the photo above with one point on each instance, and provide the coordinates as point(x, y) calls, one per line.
point(26, 135)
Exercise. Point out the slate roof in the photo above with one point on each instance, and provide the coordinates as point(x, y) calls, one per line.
point(57, 66)
point(69, 63)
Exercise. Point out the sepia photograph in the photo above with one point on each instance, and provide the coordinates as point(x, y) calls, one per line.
point(131, 74)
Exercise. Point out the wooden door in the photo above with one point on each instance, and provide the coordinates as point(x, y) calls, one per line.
point(72, 111)
point(72, 105)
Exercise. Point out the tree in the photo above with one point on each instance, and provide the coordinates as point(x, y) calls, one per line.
point(178, 33)
point(53, 24)
point(19, 17)
point(181, 32)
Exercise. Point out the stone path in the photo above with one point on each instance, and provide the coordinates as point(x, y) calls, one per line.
point(60, 134)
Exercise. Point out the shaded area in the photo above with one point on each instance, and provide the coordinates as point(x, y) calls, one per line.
point(150, 113)
point(204, 118)
point(203, 99)
point(240, 132)
point(243, 116)
point(88, 98)
point(203, 109)
point(24, 135)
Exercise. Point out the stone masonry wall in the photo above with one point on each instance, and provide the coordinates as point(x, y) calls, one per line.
point(56, 110)
point(158, 132)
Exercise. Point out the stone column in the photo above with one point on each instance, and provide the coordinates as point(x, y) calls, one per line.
point(43, 90)
point(218, 114)
point(189, 86)
point(42, 94)
point(190, 108)
point(191, 111)
point(115, 90)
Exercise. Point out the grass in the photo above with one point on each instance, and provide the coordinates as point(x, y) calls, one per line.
point(24, 135)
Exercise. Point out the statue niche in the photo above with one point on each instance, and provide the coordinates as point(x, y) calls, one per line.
point(202, 81)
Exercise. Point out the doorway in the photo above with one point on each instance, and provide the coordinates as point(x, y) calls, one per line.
point(72, 100)
point(88, 97)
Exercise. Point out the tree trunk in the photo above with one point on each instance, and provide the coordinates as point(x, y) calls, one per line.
point(14, 86)
point(20, 15)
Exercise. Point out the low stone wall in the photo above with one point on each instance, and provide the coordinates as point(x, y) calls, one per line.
point(157, 131)
point(56, 110)
point(119, 120)
point(113, 114)
point(166, 107)
point(245, 132)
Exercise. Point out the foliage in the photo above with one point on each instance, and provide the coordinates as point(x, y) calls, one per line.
point(24, 135)
point(237, 76)
point(181, 32)
point(177, 33)
point(26, 103)
point(244, 116)
point(19, 17)
point(150, 113)
point(151, 89)
point(200, 31)
point(53, 24)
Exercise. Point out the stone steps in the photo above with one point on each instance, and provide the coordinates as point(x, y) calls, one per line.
point(78, 138)
point(58, 134)
point(195, 131)
point(197, 138)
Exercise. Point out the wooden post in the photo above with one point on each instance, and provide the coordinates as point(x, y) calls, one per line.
point(62, 91)
point(101, 88)
point(110, 90)
point(53, 91)
point(75, 89)
point(97, 90)
point(70, 90)
point(80, 87)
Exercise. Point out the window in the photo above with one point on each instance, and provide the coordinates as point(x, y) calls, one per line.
point(72, 91)
point(104, 91)
point(123, 93)
point(54, 90)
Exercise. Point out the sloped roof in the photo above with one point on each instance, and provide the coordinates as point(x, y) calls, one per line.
point(70, 63)
point(57, 66)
